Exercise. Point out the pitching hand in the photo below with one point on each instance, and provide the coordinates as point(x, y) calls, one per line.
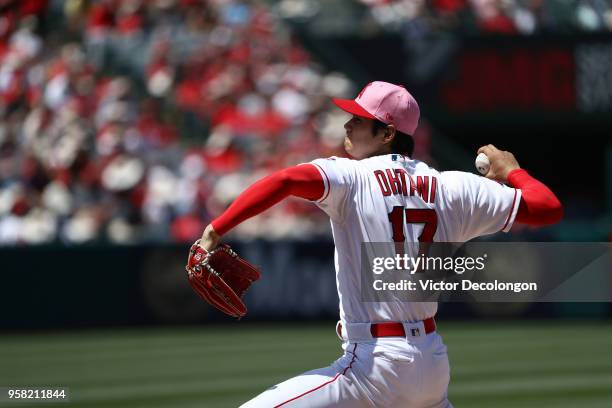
point(502, 163)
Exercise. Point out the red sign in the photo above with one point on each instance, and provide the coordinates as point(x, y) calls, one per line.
point(490, 80)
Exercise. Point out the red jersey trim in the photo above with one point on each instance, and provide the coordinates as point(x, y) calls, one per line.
point(512, 213)
point(327, 185)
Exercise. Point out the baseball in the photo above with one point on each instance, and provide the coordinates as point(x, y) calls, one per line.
point(482, 163)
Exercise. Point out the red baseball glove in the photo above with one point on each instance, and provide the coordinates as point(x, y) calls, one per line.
point(220, 277)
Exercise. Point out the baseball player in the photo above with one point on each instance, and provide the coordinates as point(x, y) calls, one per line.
point(393, 356)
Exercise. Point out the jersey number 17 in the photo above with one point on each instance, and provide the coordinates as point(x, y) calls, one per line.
point(425, 216)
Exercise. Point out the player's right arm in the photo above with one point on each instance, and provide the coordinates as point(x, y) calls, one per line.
point(539, 206)
point(482, 206)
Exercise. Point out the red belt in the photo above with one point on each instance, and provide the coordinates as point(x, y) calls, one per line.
point(396, 329)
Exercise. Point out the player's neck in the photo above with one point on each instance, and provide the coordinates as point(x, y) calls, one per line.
point(382, 152)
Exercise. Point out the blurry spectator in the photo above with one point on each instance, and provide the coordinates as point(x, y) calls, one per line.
point(492, 16)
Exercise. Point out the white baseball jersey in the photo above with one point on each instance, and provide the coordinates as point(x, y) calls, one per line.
point(391, 198)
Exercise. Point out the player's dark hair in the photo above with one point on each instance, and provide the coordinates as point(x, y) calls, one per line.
point(402, 143)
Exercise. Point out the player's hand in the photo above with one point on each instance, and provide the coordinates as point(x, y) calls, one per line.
point(502, 163)
point(210, 239)
point(220, 277)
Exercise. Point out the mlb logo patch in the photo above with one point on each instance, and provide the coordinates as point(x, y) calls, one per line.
point(415, 332)
point(394, 157)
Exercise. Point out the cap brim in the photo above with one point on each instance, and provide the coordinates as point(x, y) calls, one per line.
point(350, 106)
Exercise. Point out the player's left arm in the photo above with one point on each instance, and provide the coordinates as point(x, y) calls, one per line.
point(539, 205)
point(304, 181)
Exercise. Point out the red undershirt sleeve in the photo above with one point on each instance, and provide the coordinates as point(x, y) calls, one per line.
point(539, 205)
point(303, 181)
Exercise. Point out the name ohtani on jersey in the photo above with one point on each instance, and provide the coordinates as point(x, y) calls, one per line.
point(399, 182)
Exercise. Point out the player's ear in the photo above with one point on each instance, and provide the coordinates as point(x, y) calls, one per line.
point(390, 133)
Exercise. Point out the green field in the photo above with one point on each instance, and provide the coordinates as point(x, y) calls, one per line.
point(493, 364)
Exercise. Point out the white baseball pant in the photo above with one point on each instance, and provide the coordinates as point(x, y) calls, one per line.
point(390, 372)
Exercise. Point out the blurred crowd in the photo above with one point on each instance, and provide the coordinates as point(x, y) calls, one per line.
point(506, 17)
point(130, 121)
point(211, 96)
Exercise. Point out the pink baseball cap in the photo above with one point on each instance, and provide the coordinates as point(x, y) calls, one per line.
point(389, 103)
